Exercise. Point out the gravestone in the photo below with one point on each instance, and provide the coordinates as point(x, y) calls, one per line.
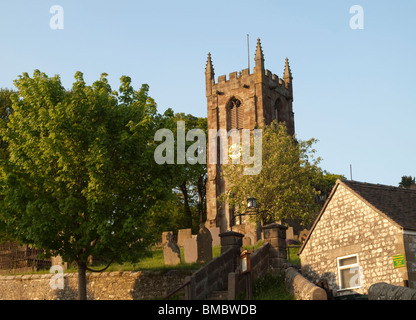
point(303, 235)
point(290, 234)
point(171, 251)
point(164, 237)
point(247, 241)
point(57, 260)
point(204, 244)
point(183, 234)
point(190, 250)
point(215, 233)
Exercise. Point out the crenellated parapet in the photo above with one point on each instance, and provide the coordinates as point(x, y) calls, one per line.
point(245, 79)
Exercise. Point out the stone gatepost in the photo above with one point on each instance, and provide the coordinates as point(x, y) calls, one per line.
point(232, 239)
point(275, 235)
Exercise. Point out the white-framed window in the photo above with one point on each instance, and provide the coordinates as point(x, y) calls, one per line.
point(349, 272)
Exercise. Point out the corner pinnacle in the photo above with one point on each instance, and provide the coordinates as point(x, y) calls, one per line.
point(209, 69)
point(287, 75)
point(259, 51)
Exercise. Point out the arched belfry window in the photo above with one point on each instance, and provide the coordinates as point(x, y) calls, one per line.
point(276, 109)
point(235, 114)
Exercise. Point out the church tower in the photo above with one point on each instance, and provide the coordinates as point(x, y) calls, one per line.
point(243, 101)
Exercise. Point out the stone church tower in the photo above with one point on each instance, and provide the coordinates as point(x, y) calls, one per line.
point(243, 101)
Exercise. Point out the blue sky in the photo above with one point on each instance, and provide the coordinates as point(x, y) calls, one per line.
point(353, 89)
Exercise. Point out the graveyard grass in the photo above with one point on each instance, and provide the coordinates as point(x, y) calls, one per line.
point(293, 255)
point(155, 262)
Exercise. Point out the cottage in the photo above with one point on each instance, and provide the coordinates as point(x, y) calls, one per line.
point(364, 234)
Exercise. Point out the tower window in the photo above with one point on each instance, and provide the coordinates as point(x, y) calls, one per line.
point(276, 109)
point(235, 114)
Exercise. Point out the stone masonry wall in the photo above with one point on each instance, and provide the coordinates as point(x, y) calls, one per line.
point(349, 226)
point(139, 285)
point(385, 291)
point(260, 261)
point(301, 288)
point(212, 277)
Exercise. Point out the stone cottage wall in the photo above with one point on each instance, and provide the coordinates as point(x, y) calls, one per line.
point(348, 226)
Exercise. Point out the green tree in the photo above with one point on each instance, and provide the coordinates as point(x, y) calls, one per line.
point(189, 178)
point(325, 182)
point(192, 177)
point(284, 188)
point(80, 179)
point(5, 110)
point(407, 182)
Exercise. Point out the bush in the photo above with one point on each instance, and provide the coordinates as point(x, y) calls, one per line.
point(271, 287)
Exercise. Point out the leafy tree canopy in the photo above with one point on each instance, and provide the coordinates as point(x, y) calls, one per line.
point(5, 110)
point(407, 182)
point(189, 206)
point(80, 178)
point(288, 184)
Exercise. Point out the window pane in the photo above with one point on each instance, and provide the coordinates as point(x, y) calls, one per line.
point(348, 261)
point(350, 278)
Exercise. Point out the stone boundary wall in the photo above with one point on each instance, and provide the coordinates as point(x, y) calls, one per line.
point(137, 285)
point(260, 261)
point(211, 277)
point(271, 256)
point(301, 288)
point(259, 267)
point(385, 291)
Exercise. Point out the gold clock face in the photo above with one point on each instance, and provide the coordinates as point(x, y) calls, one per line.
point(234, 151)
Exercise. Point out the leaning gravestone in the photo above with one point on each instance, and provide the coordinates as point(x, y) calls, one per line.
point(165, 237)
point(290, 234)
point(171, 252)
point(183, 234)
point(190, 250)
point(303, 235)
point(204, 244)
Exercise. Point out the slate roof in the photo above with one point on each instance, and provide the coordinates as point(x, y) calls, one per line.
point(398, 204)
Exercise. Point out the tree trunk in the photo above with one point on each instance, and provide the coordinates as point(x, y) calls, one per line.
point(187, 209)
point(82, 281)
point(202, 180)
